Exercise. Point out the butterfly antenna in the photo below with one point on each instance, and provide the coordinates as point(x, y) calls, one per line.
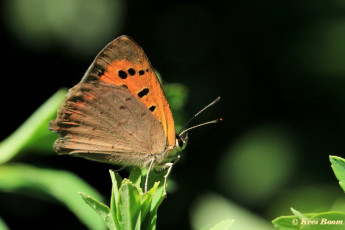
point(183, 130)
point(202, 124)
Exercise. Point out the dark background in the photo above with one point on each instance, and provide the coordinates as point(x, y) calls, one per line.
point(279, 67)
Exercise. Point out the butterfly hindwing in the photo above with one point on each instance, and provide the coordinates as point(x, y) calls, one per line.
point(107, 123)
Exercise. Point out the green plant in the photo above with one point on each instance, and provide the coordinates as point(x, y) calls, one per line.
point(131, 208)
point(317, 221)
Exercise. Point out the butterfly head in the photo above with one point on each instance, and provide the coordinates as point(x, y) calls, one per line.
point(182, 136)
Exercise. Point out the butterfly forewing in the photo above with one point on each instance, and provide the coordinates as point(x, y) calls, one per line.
point(123, 63)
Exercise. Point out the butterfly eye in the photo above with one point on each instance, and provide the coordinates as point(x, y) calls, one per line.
point(181, 142)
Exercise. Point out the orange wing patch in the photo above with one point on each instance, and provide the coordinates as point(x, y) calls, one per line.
point(142, 82)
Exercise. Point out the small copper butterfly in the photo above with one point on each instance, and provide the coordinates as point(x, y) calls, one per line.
point(118, 113)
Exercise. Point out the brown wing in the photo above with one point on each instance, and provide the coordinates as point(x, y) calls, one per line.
point(105, 122)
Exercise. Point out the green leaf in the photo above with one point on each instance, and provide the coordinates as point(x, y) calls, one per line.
point(101, 209)
point(286, 223)
point(128, 211)
point(300, 215)
point(116, 181)
point(157, 198)
point(223, 225)
point(3, 226)
point(135, 176)
point(291, 222)
point(146, 199)
point(328, 221)
point(33, 134)
point(315, 221)
point(61, 185)
point(338, 166)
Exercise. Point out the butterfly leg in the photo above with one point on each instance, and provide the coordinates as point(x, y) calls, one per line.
point(148, 173)
point(169, 165)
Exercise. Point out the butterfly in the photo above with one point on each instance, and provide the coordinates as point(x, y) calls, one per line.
point(118, 113)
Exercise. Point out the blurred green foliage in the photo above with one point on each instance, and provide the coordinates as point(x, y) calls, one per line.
point(38, 182)
point(79, 24)
point(50, 183)
point(323, 220)
point(33, 133)
point(259, 152)
point(212, 208)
